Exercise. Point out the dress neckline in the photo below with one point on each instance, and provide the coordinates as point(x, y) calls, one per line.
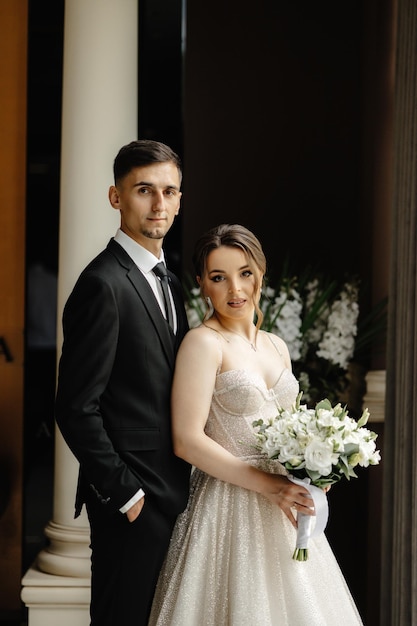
point(253, 373)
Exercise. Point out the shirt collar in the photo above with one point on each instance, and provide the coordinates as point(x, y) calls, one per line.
point(144, 259)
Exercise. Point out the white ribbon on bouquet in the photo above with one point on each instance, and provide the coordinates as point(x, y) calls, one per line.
point(311, 525)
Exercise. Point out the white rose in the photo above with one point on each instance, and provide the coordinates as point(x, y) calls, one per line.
point(291, 452)
point(319, 457)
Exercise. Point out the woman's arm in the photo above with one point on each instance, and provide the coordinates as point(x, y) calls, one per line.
point(198, 360)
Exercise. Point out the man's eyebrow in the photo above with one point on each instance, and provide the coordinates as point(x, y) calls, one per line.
point(144, 183)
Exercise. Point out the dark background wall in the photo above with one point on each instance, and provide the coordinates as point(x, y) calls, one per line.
point(44, 93)
point(273, 110)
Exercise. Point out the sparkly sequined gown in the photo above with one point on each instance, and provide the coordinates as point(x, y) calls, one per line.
point(230, 559)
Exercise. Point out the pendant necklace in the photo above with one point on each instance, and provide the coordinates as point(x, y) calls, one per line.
point(252, 344)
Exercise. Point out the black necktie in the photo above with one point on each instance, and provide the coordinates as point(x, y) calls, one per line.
point(161, 271)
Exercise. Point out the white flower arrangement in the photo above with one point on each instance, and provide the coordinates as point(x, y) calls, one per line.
point(318, 320)
point(283, 310)
point(318, 446)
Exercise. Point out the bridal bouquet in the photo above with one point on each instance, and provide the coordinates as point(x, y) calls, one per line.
point(318, 447)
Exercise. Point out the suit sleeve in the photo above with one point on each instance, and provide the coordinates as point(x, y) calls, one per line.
point(91, 330)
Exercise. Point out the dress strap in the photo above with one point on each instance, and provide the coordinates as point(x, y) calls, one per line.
point(269, 335)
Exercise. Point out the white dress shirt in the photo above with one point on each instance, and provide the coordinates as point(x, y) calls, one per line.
point(146, 261)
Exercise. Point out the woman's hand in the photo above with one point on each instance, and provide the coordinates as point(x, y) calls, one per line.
point(289, 496)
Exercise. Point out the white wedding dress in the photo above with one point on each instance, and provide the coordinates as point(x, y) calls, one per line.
point(230, 558)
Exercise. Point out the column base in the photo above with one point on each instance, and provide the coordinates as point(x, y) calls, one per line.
point(53, 600)
point(68, 553)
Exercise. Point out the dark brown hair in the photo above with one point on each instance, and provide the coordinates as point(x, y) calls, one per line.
point(140, 153)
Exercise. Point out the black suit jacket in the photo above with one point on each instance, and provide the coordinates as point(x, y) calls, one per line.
point(114, 385)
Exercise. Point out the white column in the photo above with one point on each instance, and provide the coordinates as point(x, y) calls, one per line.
point(99, 116)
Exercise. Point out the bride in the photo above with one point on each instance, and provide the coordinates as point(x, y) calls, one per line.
point(230, 558)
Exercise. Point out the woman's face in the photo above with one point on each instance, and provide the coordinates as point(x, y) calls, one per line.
point(230, 283)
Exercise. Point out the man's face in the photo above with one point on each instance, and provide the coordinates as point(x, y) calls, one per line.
point(148, 199)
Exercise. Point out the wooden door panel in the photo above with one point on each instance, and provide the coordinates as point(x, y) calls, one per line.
point(13, 72)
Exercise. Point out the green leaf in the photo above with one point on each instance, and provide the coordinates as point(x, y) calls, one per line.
point(324, 404)
point(350, 448)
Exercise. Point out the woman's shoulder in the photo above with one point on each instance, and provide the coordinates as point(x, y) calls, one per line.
point(279, 344)
point(200, 342)
point(276, 339)
point(202, 337)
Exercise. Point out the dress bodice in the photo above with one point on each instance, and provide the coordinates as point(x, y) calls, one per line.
point(241, 397)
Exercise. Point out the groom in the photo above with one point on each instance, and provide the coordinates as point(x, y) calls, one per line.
point(114, 384)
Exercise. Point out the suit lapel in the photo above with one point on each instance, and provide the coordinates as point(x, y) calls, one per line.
point(146, 295)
